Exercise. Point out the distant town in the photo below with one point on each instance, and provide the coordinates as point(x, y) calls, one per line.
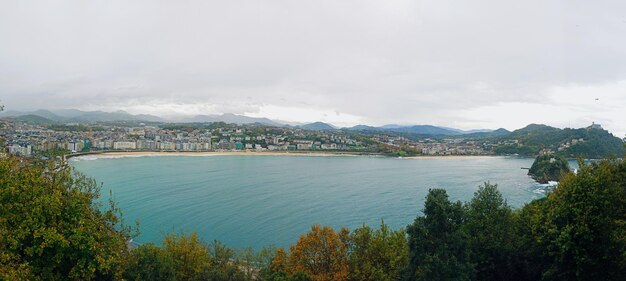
point(29, 139)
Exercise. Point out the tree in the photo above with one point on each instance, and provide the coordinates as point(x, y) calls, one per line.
point(52, 226)
point(251, 263)
point(491, 234)
point(548, 167)
point(225, 266)
point(321, 253)
point(276, 270)
point(149, 262)
point(582, 228)
point(189, 255)
point(528, 260)
point(300, 276)
point(378, 254)
point(438, 247)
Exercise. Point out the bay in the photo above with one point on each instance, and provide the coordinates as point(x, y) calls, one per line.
point(258, 200)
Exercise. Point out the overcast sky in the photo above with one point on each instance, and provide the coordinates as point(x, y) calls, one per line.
point(463, 64)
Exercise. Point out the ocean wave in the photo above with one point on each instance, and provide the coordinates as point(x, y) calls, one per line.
point(542, 188)
point(550, 184)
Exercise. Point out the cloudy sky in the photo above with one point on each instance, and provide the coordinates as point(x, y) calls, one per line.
point(463, 64)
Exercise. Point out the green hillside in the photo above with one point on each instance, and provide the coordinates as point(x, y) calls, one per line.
point(34, 119)
point(548, 167)
point(590, 142)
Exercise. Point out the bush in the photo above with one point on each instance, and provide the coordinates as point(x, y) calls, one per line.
point(52, 227)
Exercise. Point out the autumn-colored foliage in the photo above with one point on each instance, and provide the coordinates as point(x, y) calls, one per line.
point(321, 253)
point(190, 256)
point(280, 261)
point(52, 227)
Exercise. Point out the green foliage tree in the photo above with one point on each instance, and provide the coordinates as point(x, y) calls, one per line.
point(524, 150)
point(490, 227)
point(52, 226)
point(377, 255)
point(250, 263)
point(548, 167)
point(300, 276)
point(186, 257)
point(438, 246)
point(266, 258)
point(528, 260)
point(53, 153)
point(149, 262)
point(582, 226)
point(225, 265)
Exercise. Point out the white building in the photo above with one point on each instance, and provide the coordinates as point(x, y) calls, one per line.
point(124, 145)
point(21, 150)
point(329, 146)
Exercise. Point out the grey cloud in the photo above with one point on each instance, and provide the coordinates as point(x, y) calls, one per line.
point(397, 61)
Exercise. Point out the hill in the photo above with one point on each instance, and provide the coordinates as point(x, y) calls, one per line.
point(46, 114)
point(231, 119)
point(34, 119)
point(496, 133)
point(120, 115)
point(423, 130)
point(548, 167)
point(364, 128)
point(590, 142)
point(77, 116)
point(318, 126)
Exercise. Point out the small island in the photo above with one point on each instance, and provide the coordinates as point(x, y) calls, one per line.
point(548, 167)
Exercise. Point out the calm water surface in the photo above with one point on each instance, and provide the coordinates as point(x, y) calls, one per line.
point(258, 200)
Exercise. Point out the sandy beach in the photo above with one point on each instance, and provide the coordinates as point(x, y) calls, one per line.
point(183, 153)
point(450, 156)
point(275, 153)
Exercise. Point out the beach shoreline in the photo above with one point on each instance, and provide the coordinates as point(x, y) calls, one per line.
point(251, 153)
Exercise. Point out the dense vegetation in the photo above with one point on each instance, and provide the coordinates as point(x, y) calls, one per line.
point(589, 142)
point(34, 119)
point(398, 151)
point(548, 167)
point(51, 228)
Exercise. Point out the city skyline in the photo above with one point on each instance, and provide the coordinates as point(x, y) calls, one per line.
point(467, 66)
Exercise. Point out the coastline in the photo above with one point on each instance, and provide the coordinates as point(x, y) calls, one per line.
point(451, 156)
point(200, 153)
point(268, 153)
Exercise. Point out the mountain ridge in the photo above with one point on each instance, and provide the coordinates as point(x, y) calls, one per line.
point(230, 118)
point(537, 135)
point(318, 126)
point(79, 116)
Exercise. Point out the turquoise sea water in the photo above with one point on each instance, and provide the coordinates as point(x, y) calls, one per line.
point(258, 200)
